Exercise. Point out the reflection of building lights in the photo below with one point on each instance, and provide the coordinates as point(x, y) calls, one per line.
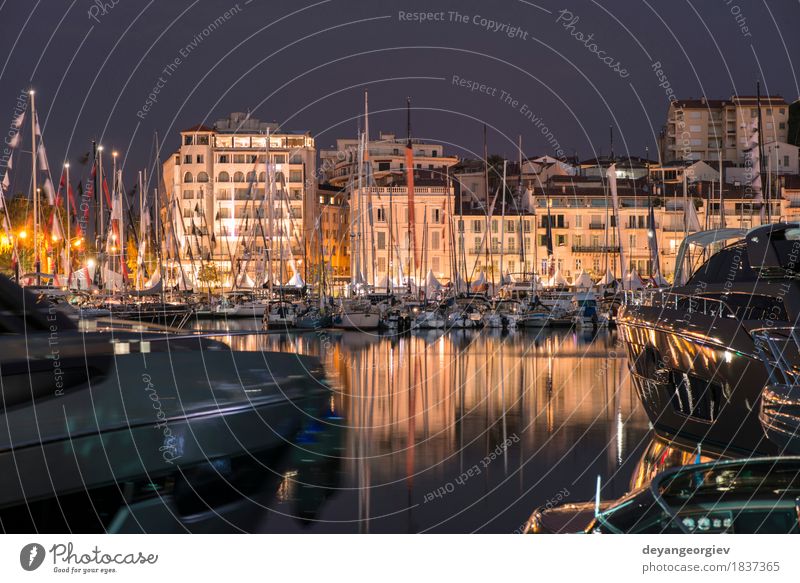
point(4, 240)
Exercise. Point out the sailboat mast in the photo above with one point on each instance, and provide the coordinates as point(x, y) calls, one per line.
point(36, 263)
point(270, 215)
point(503, 224)
point(69, 220)
point(410, 189)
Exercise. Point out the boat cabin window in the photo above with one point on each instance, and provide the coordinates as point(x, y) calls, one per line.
point(728, 265)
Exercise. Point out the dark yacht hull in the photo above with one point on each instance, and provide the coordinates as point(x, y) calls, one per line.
point(695, 388)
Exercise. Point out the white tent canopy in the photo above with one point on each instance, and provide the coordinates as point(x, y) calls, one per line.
point(557, 279)
point(296, 281)
point(479, 281)
point(608, 279)
point(582, 281)
point(431, 283)
point(659, 281)
point(633, 281)
point(243, 280)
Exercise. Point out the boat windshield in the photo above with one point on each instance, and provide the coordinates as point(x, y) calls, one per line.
point(743, 480)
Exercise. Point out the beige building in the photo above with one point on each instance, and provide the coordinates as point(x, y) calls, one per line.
point(339, 166)
point(218, 191)
point(702, 129)
point(383, 247)
point(584, 231)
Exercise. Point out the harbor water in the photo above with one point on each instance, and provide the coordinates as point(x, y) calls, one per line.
point(458, 431)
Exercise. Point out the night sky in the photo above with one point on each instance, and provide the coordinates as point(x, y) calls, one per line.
point(305, 64)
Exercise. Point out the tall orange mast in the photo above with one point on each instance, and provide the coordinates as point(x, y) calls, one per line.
point(410, 186)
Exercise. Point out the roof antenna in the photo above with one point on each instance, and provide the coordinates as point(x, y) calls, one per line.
point(408, 120)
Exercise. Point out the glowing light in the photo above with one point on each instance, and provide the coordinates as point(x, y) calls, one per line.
point(23, 234)
point(99, 148)
point(66, 164)
point(4, 240)
point(54, 238)
point(90, 263)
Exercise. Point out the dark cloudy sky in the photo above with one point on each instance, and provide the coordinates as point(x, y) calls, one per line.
point(305, 64)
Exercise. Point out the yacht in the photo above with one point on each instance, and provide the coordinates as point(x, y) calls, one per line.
point(695, 363)
point(358, 314)
point(744, 496)
point(281, 314)
point(503, 314)
point(240, 305)
point(780, 400)
point(86, 412)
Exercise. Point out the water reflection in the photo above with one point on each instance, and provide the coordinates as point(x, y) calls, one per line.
point(418, 412)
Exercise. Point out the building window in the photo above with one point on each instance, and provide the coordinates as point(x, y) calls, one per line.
point(295, 176)
point(477, 226)
point(460, 225)
point(224, 194)
point(435, 240)
point(223, 177)
point(202, 140)
point(199, 158)
point(436, 216)
point(251, 176)
point(578, 221)
point(223, 213)
point(381, 215)
point(238, 176)
point(223, 159)
point(202, 177)
point(188, 177)
point(262, 176)
point(187, 159)
point(238, 158)
point(381, 240)
point(187, 140)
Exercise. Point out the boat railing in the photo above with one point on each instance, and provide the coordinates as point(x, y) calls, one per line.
point(779, 349)
point(691, 304)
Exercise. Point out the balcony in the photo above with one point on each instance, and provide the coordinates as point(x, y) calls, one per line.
point(597, 226)
point(595, 249)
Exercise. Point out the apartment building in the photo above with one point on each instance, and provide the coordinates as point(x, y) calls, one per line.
point(218, 189)
point(339, 166)
point(705, 129)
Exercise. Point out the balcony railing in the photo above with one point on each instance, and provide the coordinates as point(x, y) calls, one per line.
point(595, 249)
point(597, 226)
